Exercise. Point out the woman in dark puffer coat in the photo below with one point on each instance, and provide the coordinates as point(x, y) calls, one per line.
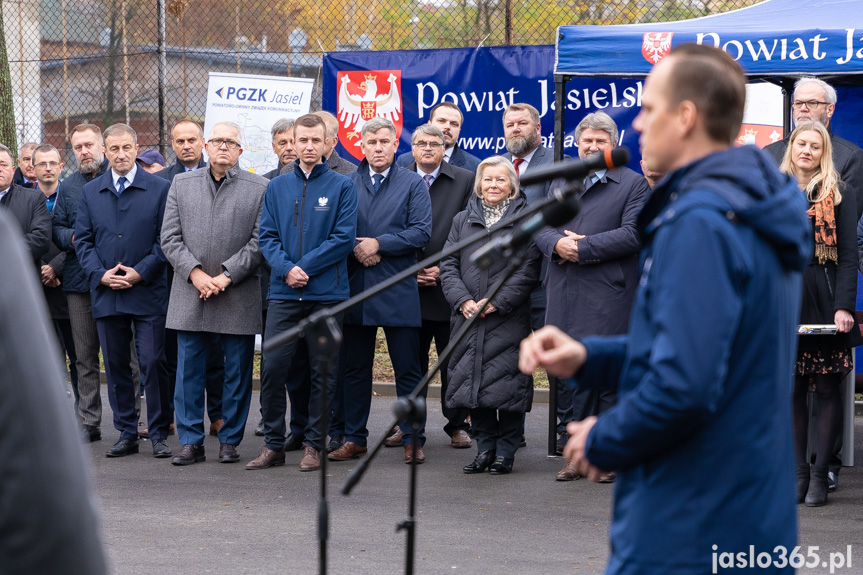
point(483, 370)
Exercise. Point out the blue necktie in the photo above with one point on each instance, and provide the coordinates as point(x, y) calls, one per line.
point(428, 178)
point(121, 184)
point(376, 181)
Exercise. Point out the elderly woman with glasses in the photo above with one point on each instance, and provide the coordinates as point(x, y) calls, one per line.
point(483, 370)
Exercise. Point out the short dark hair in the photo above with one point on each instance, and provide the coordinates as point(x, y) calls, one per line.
point(446, 105)
point(714, 82)
point(187, 121)
point(310, 121)
point(43, 149)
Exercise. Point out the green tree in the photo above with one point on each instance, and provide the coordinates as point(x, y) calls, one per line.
point(7, 107)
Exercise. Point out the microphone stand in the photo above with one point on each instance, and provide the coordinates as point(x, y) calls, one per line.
point(326, 341)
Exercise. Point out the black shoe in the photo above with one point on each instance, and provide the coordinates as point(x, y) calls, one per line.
point(523, 442)
point(817, 494)
point(480, 463)
point(123, 447)
point(259, 430)
point(501, 465)
point(832, 481)
point(161, 449)
point(802, 481)
point(336, 441)
point(91, 433)
point(189, 454)
point(561, 442)
point(228, 453)
point(294, 442)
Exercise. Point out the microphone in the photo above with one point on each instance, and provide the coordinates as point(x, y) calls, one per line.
point(553, 215)
point(577, 169)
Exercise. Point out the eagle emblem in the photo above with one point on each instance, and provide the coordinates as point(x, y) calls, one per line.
point(656, 46)
point(361, 99)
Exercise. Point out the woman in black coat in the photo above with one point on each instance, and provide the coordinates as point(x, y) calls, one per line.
point(829, 297)
point(483, 370)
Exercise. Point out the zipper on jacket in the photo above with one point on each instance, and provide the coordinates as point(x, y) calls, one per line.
point(302, 215)
point(296, 211)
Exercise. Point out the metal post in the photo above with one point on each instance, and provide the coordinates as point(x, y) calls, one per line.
point(163, 70)
point(125, 66)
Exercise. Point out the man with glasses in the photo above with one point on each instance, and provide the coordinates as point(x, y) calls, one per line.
point(815, 99)
point(27, 207)
point(449, 188)
point(210, 237)
point(447, 117)
point(25, 175)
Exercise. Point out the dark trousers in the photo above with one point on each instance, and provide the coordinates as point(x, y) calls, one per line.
point(359, 347)
point(63, 327)
point(194, 355)
point(215, 374)
point(440, 331)
point(276, 377)
point(498, 431)
point(115, 337)
point(581, 403)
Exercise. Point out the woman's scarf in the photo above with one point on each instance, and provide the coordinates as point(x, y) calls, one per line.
point(493, 214)
point(825, 230)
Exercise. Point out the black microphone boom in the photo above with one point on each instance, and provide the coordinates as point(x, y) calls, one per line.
point(577, 169)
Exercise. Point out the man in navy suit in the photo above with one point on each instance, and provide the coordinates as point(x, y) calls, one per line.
point(447, 117)
point(117, 239)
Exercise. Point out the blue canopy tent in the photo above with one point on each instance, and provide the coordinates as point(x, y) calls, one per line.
point(775, 41)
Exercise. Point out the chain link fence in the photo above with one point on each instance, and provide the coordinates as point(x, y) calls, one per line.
point(98, 61)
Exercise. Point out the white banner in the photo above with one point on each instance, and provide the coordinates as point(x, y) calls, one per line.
point(256, 103)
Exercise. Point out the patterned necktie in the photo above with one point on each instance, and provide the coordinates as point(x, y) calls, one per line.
point(517, 163)
point(121, 184)
point(376, 180)
point(428, 178)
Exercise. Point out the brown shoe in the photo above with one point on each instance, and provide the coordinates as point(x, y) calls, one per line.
point(409, 450)
point(267, 458)
point(349, 450)
point(568, 473)
point(460, 439)
point(607, 478)
point(215, 426)
point(311, 459)
point(394, 440)
point(190, 454)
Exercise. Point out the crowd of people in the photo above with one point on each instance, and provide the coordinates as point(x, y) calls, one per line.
point(171, 271)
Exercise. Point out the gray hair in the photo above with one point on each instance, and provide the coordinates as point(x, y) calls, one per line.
point(376, 124)
point(331, 122)
point(117, 129)
point(231, 125)
point(28, 146)
point(6, 149)
point(492, 162)
point(597, 121)
point(430, 130)
point(280, 127)
point(829, 91)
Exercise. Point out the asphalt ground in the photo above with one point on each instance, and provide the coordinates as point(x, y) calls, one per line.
point(220, 518)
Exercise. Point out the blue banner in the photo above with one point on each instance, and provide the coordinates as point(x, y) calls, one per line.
point(405, 85)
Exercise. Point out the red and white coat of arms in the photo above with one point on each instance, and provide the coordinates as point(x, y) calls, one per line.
point(656, 46)
point(359, 102)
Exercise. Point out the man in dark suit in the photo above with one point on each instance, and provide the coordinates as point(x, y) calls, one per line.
point(449, 188)
point(815, 99)
point(283, 145)
point(27, 207)
point(447, 117)
point(187, 141)
point(25, 175)
point(593, 269)
point(117, 239)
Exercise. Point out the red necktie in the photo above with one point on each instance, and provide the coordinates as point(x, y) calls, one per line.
point(518, 162)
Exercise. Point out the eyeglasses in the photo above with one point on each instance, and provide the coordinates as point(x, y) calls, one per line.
point(218, 142)
point(432, 145)
point(44, 165)
point(810, 104)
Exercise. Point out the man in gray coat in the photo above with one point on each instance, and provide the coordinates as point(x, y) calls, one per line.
point(210, 237)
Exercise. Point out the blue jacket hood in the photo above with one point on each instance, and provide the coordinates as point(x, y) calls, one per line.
point(745, 183)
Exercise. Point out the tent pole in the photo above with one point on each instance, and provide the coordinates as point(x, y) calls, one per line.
point(560, 81)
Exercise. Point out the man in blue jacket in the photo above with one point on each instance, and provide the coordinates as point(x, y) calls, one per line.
point(393, 226)
point(701, 434)
point(117, 239)
point(308, 228)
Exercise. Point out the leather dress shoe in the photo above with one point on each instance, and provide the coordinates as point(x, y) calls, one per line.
point(123, 447)
point(349, 450)
point(568, 473)
point(189, 454)
point(523, 442)
point(215, 426)
point(161, 449)
point(267, 458)
point(91, 433)
point(409, 452)
point(480, 463)
point(501, 466)
point(228, 453)
point(610, 477)
point(311, 460)
point(294, 442)
point(259, 430)
point(460, 439)
point(395, 440)
point(336, 441)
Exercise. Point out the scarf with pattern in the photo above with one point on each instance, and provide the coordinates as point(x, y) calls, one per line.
point(825, 230)
point(493, 214)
